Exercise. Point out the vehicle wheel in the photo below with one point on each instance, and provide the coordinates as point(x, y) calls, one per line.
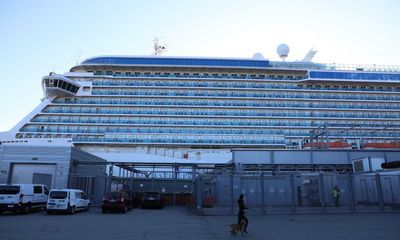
point(1, 212)
point(26, 209)
point(48, 212)
point(88, 208)
point(103, 210)
point(72, 210)
point(125, 209)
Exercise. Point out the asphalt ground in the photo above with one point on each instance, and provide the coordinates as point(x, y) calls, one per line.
point(180, 223)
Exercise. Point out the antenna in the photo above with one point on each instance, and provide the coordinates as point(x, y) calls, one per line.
point(309, 56)
point(78, 58)
point(158, 47)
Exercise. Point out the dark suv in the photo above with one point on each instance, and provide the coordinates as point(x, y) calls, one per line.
point(120, 201)
point(152, 199)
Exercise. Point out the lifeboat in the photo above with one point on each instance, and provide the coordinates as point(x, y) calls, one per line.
point(330, 145)
point(382, 145)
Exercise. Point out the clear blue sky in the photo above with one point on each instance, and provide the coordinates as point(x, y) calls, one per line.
point(37, 37)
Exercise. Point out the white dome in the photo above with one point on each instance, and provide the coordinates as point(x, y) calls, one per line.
point(258, 56)
point(283, 50)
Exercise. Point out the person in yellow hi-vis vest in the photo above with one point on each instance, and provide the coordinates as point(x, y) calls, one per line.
point(336, 195)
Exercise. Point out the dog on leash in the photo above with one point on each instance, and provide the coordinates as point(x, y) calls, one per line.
point(236, 228)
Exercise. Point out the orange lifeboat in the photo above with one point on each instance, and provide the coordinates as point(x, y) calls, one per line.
point(330, 145)
point(382, 145)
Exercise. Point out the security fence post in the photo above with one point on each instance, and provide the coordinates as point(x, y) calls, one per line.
point(321, 190)
point(262, 193)
point(109, 180)
point(293, 197)
point(199, 197)
point(231, 189)
point(352, 200)
point(380, 195)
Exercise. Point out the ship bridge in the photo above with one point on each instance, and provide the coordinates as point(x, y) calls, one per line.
point(58, 85)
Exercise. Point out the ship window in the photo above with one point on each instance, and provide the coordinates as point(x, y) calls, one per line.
point(345, 87)
point(109, 72)
point(69, 86)
point(336, 87)
point(64, 85)
point(328, 86)
point(117, 73)
point(86, 89)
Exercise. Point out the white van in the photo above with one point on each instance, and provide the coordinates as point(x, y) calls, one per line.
point(22, 197)
point(67, 200)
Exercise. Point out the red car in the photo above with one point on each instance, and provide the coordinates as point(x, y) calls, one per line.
point(117, 201)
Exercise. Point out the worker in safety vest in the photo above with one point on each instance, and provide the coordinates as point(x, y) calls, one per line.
point(336, 195)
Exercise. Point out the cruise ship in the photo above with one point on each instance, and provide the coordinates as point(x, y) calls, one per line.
point(197, 109)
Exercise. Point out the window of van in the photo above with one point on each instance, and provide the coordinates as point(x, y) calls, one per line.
point(9, 189)
point(37, 189)
point(58, 194)
point(78, 195)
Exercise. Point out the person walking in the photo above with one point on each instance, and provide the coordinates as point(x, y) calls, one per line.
point(336, 196)
point(241, 215)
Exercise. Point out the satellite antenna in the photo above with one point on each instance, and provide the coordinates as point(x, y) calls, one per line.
point(309, 56)
point(283, 51)
point(158, 47)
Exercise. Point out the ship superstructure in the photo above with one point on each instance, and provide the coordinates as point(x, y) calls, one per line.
point(198, 109)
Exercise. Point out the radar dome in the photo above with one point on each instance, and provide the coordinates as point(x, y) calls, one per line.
point(258, 56)
point(283, 51)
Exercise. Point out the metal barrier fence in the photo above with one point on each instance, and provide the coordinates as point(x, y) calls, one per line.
point(303, 193)
point(94, 186)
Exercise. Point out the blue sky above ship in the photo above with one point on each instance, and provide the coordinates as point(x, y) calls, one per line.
point(40, 37)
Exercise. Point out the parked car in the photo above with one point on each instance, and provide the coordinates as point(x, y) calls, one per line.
point(67, 200)
point(120, 201)
point(152, 199)
point(22, 197)
point(136, 197)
